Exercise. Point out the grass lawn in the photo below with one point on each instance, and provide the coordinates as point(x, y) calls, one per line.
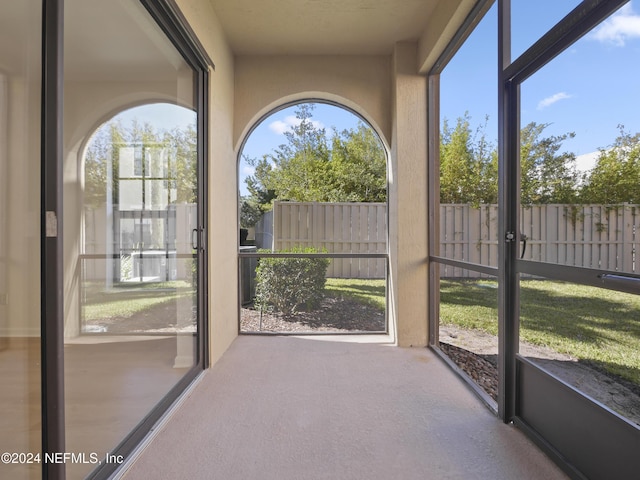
point(370, 292)
point(126, 299)
point(592, 324)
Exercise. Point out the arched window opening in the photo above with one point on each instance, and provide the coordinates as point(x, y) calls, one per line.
point(139, 204)
point(313, 223)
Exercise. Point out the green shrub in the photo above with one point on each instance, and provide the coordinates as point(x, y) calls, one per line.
point(291, 284)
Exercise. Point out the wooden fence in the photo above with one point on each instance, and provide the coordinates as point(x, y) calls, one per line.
point(593, 236)
point(334, 227)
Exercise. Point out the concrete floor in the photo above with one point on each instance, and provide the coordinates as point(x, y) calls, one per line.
point(300, 408)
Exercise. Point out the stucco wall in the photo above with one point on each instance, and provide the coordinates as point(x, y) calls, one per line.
point(389, 93)
point(408, 230)
point(263, 83)
point(223, 182)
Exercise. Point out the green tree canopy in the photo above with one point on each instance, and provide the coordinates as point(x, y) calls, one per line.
point(616, 175)
point(312, 166)
point(469, 166)
point(547, 174)
point(173, 153)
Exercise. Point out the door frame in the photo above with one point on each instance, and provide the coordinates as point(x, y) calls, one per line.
point(544, 407)
point(555, 415)
point(168, 16)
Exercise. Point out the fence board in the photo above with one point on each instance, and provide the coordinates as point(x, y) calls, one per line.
point(592, 236)
point(336, 228)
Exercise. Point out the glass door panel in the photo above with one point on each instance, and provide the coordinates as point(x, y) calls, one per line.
point(20, 126)
point(579, 151)
point(131, 208)
point(577, 362)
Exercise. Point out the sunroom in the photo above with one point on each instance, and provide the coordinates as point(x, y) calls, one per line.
point(505, 259)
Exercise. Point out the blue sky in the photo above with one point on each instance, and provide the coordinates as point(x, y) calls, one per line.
point(589, 89)
point(163, 116)
point(269, 134)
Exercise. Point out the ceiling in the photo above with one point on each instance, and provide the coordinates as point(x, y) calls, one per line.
point(321, 27)
point(103, 41)
point(116, 39)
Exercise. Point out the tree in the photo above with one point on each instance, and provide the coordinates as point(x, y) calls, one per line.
point(468, 164)
point(170, 155)
point(180, 145)
point(359, 167)
point(546, 176)
point(616, 175)
point(98, 156)
point(351, 167)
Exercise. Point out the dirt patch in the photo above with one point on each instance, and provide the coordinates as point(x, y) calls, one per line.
point(476, 353)
point(334, 315)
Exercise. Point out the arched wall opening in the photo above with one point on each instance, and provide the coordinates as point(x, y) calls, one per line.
point(88, 108)
point(317, 194)
point(137, 191)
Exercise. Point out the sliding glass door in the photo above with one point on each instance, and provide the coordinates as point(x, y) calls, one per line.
point(102, 243)
point(133, 223)
point(20, 360)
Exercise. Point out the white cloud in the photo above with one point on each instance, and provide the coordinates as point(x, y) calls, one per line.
point(281, 126)
point(620, 27)
point(544, 103)
point(247, 170)
point(587, 161)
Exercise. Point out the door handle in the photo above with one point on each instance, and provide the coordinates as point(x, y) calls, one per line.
point(194, 239)
point(523, 238)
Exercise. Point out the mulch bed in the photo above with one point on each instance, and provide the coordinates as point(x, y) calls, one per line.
point(482, 370)
point(334, 315)
point(615, 392)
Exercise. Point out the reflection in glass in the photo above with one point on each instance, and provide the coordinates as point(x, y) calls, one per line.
point(130, 268)
point(20, 126)
point(469, 325)
point(588, 337)
point(468, 149)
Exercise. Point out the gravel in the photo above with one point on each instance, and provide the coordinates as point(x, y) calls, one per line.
point(482, 371)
